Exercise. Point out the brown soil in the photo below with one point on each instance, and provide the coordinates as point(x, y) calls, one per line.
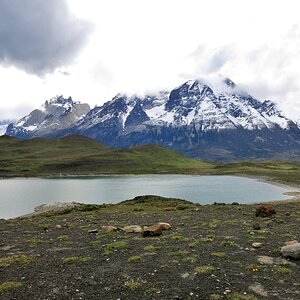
point(207, 254)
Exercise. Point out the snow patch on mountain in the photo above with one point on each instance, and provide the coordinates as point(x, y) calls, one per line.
point(55, 114)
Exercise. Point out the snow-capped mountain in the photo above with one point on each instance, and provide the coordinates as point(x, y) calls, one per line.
point(212, 120)
point(3, 126)
point(55, 114)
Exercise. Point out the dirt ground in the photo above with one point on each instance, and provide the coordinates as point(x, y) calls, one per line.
point(207, 254)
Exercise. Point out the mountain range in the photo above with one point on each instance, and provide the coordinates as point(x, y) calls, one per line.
point(208, 120)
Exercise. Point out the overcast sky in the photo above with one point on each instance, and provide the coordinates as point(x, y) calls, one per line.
point(91, 49)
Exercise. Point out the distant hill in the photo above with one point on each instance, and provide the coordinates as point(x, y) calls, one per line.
point(78, 155)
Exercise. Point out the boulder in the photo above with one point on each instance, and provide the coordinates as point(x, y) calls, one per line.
point(153, 230)
point(265, 211)
point(291, 251)
point(109, 228)
point(156, 229)
point(164, 226)
point(133, 229)
point(257, 245)
point(290, 242)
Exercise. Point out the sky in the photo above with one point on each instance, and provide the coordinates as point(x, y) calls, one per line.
point(92, 50)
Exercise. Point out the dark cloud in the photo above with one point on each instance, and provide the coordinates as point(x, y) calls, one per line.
point(38, 36)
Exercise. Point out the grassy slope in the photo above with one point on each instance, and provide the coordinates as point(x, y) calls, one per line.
point(80, 155)
point(280, 171)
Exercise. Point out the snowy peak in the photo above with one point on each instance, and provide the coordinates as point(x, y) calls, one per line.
point(55, 114)
point(203, 104)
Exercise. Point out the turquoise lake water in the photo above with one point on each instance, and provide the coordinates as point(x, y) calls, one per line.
point(21, 195)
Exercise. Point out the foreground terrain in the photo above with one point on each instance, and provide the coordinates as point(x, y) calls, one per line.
point(207, 254)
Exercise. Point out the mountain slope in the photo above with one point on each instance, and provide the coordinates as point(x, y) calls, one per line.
point(3, 126)
point(210, 121)
point(53, 115)
point(207, 120)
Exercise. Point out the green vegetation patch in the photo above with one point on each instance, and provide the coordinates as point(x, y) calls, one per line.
point(133, 284)
point(9, 285)
point(152, 248)
point(16, 260)
point(218, 254)
point(283, 270)
point(77, 259)
point(133, 259)
point(239, 296)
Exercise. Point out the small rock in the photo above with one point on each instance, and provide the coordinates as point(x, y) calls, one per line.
point(256, 226)
point(265, 260)
point(292, 251)
point(185, 275)
point(93, 231)
point(257, 245)
point(153, 230)
point(265, 211)
point(57, 227)
point(109, 228)
point(133, 229)
point(290, 242)
point(6, 248)
point(258, 289)
point(164, 226)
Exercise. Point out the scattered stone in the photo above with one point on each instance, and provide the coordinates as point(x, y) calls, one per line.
point(256, 226)
point(185, 275)
point(283, 262)
point(164, 226)
point(290, 242)
point(265, 260)
point(258, 289)
point(6, 248)
point(257, 245)
point(109, 228)
point(291, 251)
point(55, 207)
point(58, 249)
point(156, 229)
point(265, 211)
point(93, 231)
point(153, 230)
point(57, 227)
point(133, 229)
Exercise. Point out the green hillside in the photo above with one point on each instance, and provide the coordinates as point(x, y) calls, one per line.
point(75, 155)
point(78, 155)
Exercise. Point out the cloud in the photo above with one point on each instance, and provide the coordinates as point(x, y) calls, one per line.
point(266, 71)
point(39, 36)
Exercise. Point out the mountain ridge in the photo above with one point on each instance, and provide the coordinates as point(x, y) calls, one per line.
point(214, 120)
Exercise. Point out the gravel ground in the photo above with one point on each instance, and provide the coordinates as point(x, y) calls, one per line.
point(207, 254)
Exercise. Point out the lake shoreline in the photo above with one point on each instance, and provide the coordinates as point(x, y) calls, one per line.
point(103, 189)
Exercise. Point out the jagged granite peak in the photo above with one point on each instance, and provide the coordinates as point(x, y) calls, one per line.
point(206, 119)
point(55, 114)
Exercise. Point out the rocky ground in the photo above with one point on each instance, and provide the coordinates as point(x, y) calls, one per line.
point(207, 254)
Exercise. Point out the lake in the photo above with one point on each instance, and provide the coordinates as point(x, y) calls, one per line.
point(21, 195)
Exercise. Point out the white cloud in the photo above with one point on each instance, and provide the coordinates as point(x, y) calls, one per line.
point(147, 45)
